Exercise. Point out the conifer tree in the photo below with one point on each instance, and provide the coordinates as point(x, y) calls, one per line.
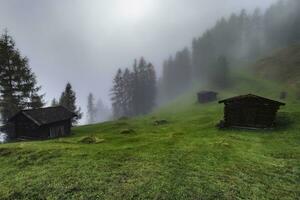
point(54, 102)
point(127, 93)
point(177, 74)
point(220, 75)
point(91, 109)
point(18, 88)
point(117, 94)
point(103, 112)
point(150, 88)
point(68, 100)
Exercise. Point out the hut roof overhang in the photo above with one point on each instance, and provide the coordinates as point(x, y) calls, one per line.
point(254, 97)
point(44, 116)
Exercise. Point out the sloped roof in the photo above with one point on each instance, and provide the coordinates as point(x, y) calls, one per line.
point(252, 96)
point(43, 116)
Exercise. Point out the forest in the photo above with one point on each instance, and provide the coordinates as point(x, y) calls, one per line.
point(242, 38)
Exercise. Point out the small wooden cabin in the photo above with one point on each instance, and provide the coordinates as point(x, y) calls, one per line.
point(41, 123)
point(207, 96)
point(250, 111)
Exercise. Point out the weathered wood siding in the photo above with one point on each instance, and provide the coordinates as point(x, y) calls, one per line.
point(25, 128)
point(59, 129)
point(250, 114)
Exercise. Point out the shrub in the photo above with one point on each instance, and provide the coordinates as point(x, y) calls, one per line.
point(127, 131)
point(90, 140)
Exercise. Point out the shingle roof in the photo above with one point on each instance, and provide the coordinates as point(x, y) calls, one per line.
point(251, 96)
point(43, 116)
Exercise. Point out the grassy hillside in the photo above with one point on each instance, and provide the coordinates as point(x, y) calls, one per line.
point(282, 65)
point(187, 158)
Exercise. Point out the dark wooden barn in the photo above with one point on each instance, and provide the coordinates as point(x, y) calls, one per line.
point(207, 96)
point(41, 123)
point(250, 111)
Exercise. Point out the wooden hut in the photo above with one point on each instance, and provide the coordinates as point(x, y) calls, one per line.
point(41, 123)
point(250, 111)
point(207, 96)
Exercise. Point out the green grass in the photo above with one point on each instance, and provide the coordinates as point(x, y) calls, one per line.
point(281, 65)
point(187, 158)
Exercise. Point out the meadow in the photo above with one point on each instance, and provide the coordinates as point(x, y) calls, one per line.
point(187, 157)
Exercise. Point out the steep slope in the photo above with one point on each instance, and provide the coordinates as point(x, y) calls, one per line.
point(283, 65)
point(186, 158)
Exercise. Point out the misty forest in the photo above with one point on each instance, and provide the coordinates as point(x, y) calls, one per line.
point(205, 110)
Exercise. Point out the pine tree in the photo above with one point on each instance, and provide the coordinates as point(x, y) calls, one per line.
point(150, 88)
point(103, 113)
point(68, 100)
point(220, 77)
point(54, 102)
point(18, 88)
point(139, 97)
point(127, 93)
point(91, 109)
point(117, 95)
point(135, 90)
point(177, 74)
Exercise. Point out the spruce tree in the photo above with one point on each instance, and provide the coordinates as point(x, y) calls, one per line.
point(103, 112)
point(141, 97)
point(150, 88)
point(117, 96)
point(91, 109)
point(68, 100)
point(18, 88)
point(54, 102)
point(220, 74)
point(128, 93)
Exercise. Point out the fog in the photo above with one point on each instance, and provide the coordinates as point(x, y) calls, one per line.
point(85, 42)
point(2, 137)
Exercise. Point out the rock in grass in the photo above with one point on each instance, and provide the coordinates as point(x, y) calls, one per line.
point(127, 131)
point(222, 144)
point(90, 140)
point(160, 122)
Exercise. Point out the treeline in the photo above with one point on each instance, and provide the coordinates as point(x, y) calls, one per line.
point(240, 38)
point(134, 91)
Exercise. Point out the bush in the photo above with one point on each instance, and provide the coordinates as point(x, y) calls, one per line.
point(90, 140)
point(127, 131)
point(160, 122)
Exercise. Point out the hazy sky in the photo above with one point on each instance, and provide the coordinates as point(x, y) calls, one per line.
point(85, 41)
